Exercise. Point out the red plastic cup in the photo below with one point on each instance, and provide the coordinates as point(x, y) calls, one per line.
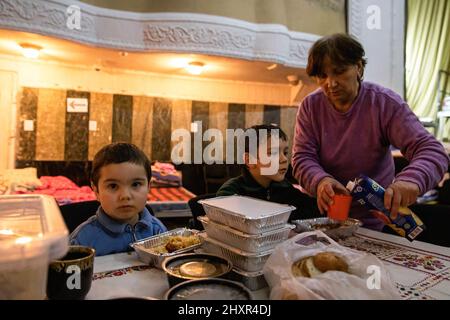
point(340, 208)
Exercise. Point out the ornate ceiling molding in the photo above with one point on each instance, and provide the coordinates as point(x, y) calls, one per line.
point(171, 32)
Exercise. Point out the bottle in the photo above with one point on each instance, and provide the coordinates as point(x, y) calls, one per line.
point(369, 193)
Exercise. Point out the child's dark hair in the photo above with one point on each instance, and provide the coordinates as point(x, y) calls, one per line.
point(117, 153)
point(268, 127)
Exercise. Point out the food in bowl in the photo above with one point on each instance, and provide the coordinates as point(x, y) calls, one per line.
point(320, 263)
point(333, 228)
point(180, 242)
point(325, 226)
point(175, 243)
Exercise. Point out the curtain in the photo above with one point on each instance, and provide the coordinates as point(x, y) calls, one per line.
point(427, 51)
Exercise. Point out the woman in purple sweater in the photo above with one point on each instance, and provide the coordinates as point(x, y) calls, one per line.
point(346, 128)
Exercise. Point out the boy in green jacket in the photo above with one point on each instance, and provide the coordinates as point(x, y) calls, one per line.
point(271, 187)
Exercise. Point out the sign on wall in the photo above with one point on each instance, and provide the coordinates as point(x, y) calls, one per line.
point(77, 105)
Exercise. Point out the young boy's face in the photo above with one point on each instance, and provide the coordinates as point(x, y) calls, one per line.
point(279, 153)
point(122, 190)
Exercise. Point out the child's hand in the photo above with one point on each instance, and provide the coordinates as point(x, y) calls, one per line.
point(326, 189)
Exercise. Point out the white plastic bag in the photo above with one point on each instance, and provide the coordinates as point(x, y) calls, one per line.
point(367, 277)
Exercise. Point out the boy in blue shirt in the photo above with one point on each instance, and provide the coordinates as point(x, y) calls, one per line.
point(120, 178)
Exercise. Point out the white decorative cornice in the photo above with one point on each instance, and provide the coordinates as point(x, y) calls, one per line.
point(355, 15)
point(332, 5)
point(174, 32)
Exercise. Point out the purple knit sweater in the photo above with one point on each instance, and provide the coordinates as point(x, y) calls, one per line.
point(345, 145)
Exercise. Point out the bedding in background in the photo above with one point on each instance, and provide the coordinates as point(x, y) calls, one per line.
point(63, 189)
point(165, 175)
point(66, 191)
point(12, 180)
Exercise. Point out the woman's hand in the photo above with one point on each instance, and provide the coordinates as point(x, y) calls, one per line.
point(326, 190)
point(400, 194)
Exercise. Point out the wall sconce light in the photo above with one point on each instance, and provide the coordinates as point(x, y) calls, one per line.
point(272, 67)
point(30, 50)
point(195, 67)
point(293, 79)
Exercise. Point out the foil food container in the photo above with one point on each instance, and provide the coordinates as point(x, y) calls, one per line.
point(146, 252)
point(334, 228)
point(244, 241)
point(246, 261)
point(252, 280)
point(246, 214)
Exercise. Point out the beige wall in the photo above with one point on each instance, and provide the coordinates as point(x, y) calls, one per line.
point(311, 16)
point(8, 89)
point(41, 74)
point(60, 77)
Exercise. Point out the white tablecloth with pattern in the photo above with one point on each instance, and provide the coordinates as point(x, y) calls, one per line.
point(419, 270)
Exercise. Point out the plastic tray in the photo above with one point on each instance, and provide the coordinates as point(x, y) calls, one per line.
point(250, 215)
point(247, 261)
point(32, 233)
point(243, 241)
point(345, 229)
point(143, 247)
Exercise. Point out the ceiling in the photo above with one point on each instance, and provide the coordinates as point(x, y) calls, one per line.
point(64, 51)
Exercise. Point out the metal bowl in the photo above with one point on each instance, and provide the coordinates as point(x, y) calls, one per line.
point(194, 266)
point(209, 289)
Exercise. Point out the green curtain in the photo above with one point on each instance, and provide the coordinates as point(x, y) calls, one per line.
point(427, 51)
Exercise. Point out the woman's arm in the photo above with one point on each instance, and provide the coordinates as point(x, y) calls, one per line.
point(305, 151)
point(428, 160)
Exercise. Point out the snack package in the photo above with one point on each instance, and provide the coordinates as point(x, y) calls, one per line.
point(312, 266)
point(370, 194)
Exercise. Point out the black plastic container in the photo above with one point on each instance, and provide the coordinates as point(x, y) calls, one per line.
point(209, 289)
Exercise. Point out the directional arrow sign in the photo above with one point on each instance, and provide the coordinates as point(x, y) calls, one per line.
point(77, 105)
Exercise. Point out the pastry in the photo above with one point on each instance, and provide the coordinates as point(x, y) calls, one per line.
point(318, 264)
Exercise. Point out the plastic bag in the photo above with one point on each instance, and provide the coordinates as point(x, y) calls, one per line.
point(367, 278)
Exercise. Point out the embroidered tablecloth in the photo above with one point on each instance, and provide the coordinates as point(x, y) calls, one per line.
point(419, 270)
point(124, 275)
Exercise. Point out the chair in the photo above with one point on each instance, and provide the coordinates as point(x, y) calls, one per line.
point(197, 210)
point(76, 213)
point(436, 218)
point(215, 175)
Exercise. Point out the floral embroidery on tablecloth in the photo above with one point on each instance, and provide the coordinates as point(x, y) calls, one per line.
point(434, 267)
point(118, 272)
point(416, 261)
point(379, 249)
point(412, 293)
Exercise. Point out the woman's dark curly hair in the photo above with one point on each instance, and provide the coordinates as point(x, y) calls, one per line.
point(342, 49)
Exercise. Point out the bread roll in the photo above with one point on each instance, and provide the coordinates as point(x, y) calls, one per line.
point(326, 261)
point(318, 264)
